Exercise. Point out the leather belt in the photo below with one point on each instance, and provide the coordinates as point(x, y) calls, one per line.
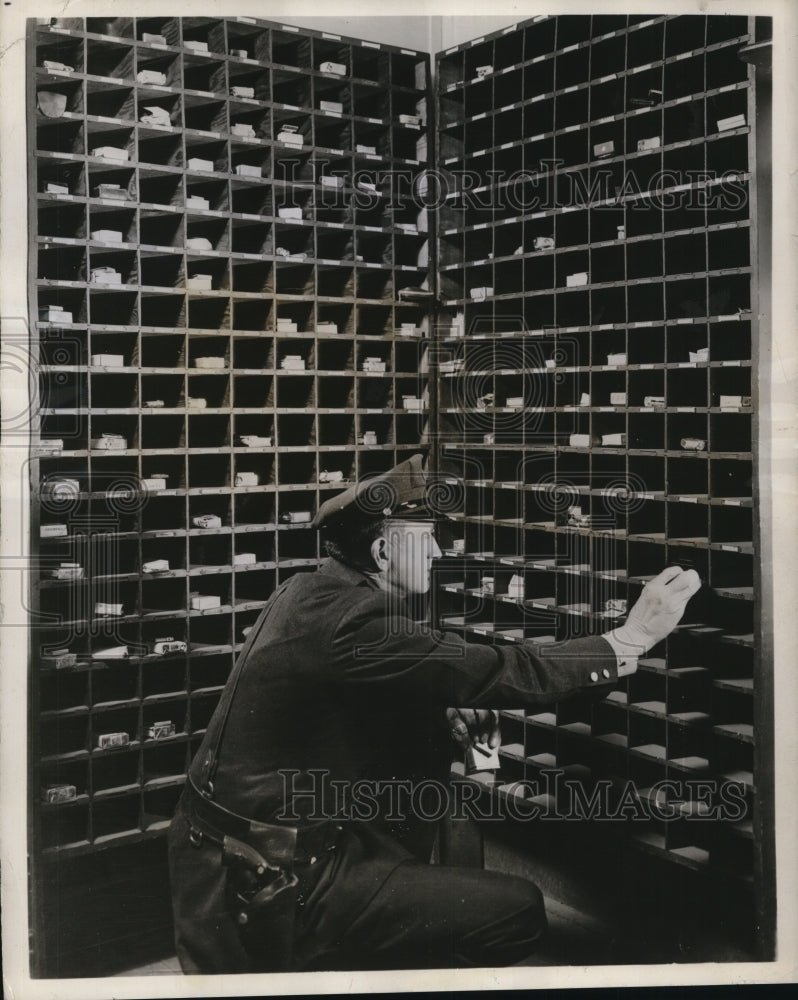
point(284, 844)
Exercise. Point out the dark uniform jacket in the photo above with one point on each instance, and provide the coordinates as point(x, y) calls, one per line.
point(339, 684)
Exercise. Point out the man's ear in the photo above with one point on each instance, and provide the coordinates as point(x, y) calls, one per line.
point(379, 552)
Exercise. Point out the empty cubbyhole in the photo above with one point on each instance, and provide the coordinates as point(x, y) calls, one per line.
point(731, 478)
point(161, 763)
point(732, 526)
point(686, 477)
point(163, 513)
point(607, 265)
point(252, 353)
point(204, 115)
point(165, 150)
point(572, 30)
point(112, 391)
point(203, 74)
point(688, 522)
point(646, 558)
point(607, 101)
point(291, 89)
point(725, 68)
point(66, 824)
point(539, 38)
point(255, 509)
point(479, 97)
point(61, 263)
point(336, 282)
point(159, 229)
point(684, 33)
point(161, 270)
point(252, 391)
point(162, 351)
point(644, 217)
point(114, 308)
point(647, 741)
point(334, 134)
point(730, 432)
point(249, 199)
point(685, 254)
point(211, 431)
point(726, 27)
point(294, 279)
point(163, 595)
point(729, 248)
point(209, 552)
point(159, 806)
point(335, 393)
point(294, 391)
point(571, 69)
point(208, 672)
point(684, 122)
point(63, 735)
point(606, 55)
point(685, 164)
point(155, 187)
point(726, 154)
point(686, 298)
point(296, 430)
point(687, 387)
point(109, 58)
point(733, 759)
point(647, 693)
point(571, 148)
point(107, 100)
point(162, 310)
point(290, 50)
point(115, 817)
point(728, 201)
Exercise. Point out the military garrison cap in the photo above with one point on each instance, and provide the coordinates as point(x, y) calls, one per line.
point(401, 492)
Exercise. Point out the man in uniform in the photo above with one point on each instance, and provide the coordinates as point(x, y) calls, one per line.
point(338, 684)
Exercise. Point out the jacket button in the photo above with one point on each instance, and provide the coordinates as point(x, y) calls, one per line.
point(243, 918)
point(313, 860)
point(606, 673)
point(594, 676)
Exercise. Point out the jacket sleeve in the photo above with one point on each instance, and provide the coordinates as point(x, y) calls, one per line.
point(376, 642)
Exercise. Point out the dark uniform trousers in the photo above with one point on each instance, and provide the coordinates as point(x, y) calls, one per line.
point(334, 677)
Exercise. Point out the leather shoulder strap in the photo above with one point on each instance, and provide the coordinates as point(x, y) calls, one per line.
point(203, 769)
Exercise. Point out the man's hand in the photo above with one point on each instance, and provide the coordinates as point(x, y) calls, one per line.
point(474, 725)
point(658, 610)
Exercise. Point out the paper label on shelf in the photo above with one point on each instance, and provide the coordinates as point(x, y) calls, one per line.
point(730, 548)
